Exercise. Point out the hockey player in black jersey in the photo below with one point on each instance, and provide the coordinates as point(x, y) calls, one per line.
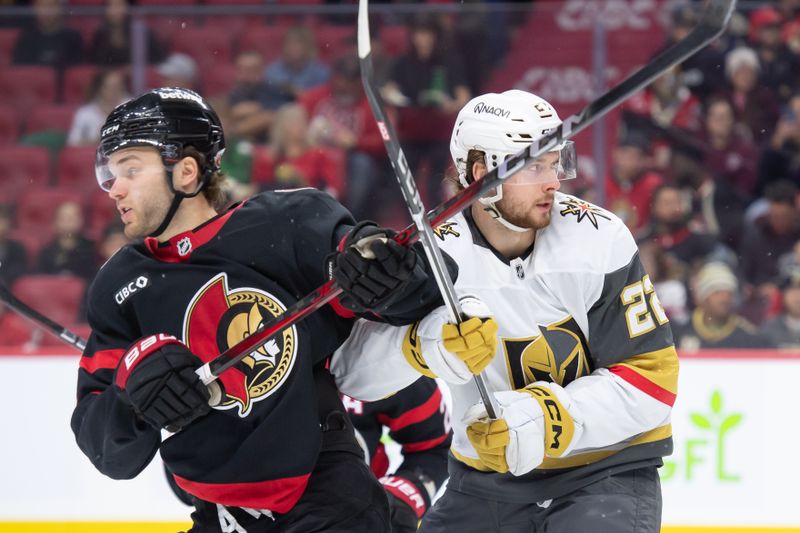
point(277, 453)
point(418, 420)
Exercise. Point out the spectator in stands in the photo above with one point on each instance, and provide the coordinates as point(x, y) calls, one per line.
point(669, 278)
point(112, 240)
point(779, 66)
point(714, 322)
point(291, 161)
point(178, 70)
point(771, 235)
point(46, 41)
point(429, 82)
point(111, 42)
point(780, 158)
point(13, 257)
point(667, 103)
point(341, 118)
point(630, 184)
point(252, 101)
point(669, 229)
point(70, 252)
point(717, 208)
point(427, 76)
point(784, 330)
point(298, 68)
point(106, 91)
point(755, 106)
point(729, 153)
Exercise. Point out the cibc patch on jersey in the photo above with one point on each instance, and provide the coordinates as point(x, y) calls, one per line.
point(234, 315)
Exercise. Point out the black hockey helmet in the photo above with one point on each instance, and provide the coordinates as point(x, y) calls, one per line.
point(168, 119)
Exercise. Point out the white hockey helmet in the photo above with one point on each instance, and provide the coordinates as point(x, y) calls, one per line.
point(500, 125)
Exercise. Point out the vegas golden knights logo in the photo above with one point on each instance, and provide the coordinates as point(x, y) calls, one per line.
point(559, 354)
point(448, 228)
point(217, 318)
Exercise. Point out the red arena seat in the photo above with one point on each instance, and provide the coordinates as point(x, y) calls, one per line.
point(8, 37)
point(76, 83)
point(76, 168)
point(9, 125)
point(28, 86)
point(24, 167)
point(36, 208)
point(57, 296)
point(55, 117)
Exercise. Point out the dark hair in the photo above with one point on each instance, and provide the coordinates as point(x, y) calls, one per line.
point(214, 189)
point(781, 192)
point(473, 156)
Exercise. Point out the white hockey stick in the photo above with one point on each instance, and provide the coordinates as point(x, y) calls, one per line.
point(410, 192)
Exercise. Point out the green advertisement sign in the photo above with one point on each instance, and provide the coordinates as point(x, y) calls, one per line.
point(705, 450)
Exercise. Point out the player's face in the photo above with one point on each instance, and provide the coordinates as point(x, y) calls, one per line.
point(529, 205)
point(139, 190)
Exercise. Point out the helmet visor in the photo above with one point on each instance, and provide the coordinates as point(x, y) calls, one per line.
point(110, 165)
point(557, 165)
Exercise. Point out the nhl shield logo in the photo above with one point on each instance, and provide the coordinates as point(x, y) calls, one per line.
point(218, 318)
point(184, 246)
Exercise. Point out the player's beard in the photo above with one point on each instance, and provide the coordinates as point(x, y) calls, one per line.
point(524, 213)
point(148, 217)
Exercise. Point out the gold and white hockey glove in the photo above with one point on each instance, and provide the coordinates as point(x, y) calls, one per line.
point(534, 423)
point(454, 352)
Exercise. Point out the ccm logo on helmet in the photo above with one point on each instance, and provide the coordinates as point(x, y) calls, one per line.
point(134, 286)
point(143, 345)
point(480, 107)
point(109, 130)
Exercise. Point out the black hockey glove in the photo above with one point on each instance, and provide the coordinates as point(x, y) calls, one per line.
point(406, 504)
point(371, 268)
point(157, 377)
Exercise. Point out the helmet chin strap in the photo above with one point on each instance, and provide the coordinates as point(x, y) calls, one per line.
point(491, 208)
point(177, 198)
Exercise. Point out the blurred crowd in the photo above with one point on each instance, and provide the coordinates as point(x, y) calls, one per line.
point(704, 168)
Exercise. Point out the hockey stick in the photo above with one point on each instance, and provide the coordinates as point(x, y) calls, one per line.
point(409, 188)
point(23, 309)
point(713, 22)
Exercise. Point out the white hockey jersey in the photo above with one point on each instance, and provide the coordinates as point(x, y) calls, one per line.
point(577, 310)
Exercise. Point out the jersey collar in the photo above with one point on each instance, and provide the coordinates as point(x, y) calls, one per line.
point(480, 240)
point(179, 248)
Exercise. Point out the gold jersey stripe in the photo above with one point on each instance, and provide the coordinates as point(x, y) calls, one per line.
point(659, 367)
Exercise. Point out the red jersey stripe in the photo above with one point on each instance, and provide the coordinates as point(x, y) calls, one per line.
point(414, 447)
point(643, 384)
point(103, 359)
point(278, 495)
point(412, 416)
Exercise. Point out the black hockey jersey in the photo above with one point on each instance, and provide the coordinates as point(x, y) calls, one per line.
point(418, 420)
point(210, 287)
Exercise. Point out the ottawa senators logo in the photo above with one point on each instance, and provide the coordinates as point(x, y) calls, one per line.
point(233, 315)
point(558, 355)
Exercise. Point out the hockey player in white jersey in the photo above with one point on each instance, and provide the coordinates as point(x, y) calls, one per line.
point(584, 369)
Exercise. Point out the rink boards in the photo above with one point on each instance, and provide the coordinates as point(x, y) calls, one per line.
point(734, 467)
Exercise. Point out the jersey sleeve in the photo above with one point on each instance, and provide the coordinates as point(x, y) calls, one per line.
point(321, 223)
point(108, 432)
point(634, 384)
point(370, 364)
point(418, 420)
